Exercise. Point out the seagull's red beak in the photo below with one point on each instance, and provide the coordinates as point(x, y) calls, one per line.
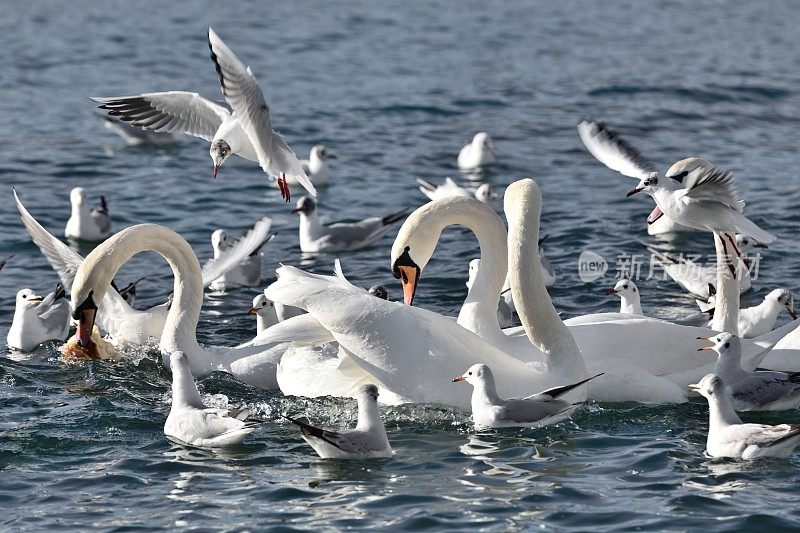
point(634, 191)
point(253, 311)
point(216, 169)
point(459, 378)
point(609, 292)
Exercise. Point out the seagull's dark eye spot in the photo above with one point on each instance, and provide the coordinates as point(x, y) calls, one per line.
point(25, 296)
point(469, 373)
point(727, 345)
point(625, 286)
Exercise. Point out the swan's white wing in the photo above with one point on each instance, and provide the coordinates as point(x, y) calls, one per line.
point(172, 112)
point(712, 185)
point(64, 260)
point(303, 330)
point(237, 253)
point(612, 151)
point(244, 95)
point(411, 352)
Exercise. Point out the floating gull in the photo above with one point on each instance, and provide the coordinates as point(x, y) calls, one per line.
point(489, 410)
point(478, 153)
point(485, 193)
point(134, 136)
point(84, 223)
point(763, 390)
point(367, 441)
point(248, 272)
point(128, 292)
point(264, 310)
point(379, 291)
point(630, 299)
point(38, 319)
point(729, 437)
point(343, 236)
point(760, 319)
point(316, 166)
point(191, 422)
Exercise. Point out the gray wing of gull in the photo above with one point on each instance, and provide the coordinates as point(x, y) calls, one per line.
point(239, 252)
point(168, 112)
point(531, 410)
point(714, 185)
point(761, 388)
point(613, 151)
point(243, 93)
point(66, 262)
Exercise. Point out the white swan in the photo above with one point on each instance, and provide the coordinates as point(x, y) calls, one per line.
point(644, 359)
point(116, 317)
point(413, 353)
point(93, 278)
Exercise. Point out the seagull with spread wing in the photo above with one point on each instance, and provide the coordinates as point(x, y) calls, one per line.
point(693, 193)
point(243, 129)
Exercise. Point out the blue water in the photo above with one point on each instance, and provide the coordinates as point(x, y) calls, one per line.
point(394, 89)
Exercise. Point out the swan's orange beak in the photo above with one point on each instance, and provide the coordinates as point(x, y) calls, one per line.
point(85, 325)
point(408, 277)
point(459, 378)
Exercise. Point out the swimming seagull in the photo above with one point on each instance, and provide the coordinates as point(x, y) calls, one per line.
point(264, 310)
point(762, 390)
point(485, 193)
point(380, 291)
point(489, 410)
point(729, 437)
point(128, 292)
point(478, 153)
point(84, 223)
point(760, 319)
point(316, 166)
point(246, 131)
point(630, 299)
point(191, 422)
point(248, 272)
point(367, 441)
point(38, 319)
point(505, 309)
point(340, 237)
point(134, 136)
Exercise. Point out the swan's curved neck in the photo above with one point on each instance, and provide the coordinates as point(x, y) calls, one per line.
point(534, 307)
point(181, 323)
point(726, 313)
point(479, 311)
